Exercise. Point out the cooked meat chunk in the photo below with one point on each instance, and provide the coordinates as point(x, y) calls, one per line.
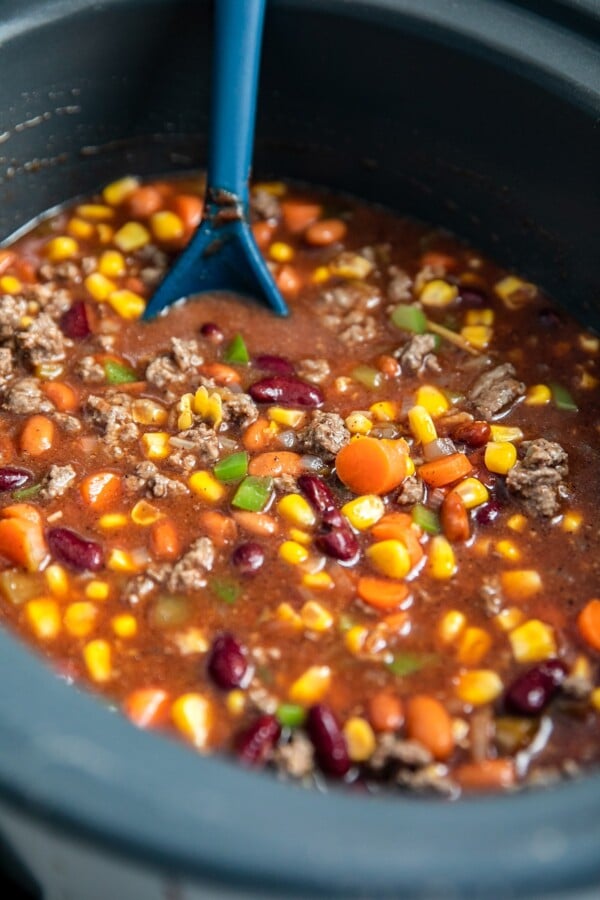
point(61, 271)
point(147, 477)
point(189, 572)
point(12, 310)
point(42, 342)
point(201, 440)
point(57, 480)
point(6, 365)
point(495, 390)
point(538, 478)
point(392, 749)
point(186, 353)
point(400, 286)
point(417, 355)
point(433, 778)
point(239, 410)
point(296, 758)
point(25, 397)
point(174, 367)
point(324, 435)
point(345, 310)
point(264, 205)
point(53, 300)
point(90, 371)
point(315, 370)
point(112, 415)
point(491, 595)
point(412, 491)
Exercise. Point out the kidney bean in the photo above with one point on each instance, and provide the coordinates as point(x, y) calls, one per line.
point(227, 663)
point(473, 298)
point(339, 543)
point(475, 434)
point(487, 512)
point(286, 390)
point(11, 479)
point(74, 323)
point(75, 551)
point(318, 493)
point(533, 690)
point(454, 518)
point(248, 558)
point(254, 744)
point(328, 740)
point(275, 364)
point(212, 331)
point(549, 318)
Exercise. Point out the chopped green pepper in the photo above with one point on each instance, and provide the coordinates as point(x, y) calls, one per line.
point(562, 398)
point(27, 493)
point(118, 373)
point(408, 663)
point(409, 318)
point(236, 351)
point(368, 376)
point(253, 493)
point(227, 589)
point(427, 519)
point(290, 715)
point(233, 467)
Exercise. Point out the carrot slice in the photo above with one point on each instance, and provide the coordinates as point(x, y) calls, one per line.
point(445, 470)
point(380, 593)
point(147, 707)
point(220, 528)
point(398, 526)
point(22, 538)
point(588, 622)
point(259, 434)
point(189, 209)
point(275, 463)
point(298, 215)
point(101, 490)
point(371, 466)
point(221, 373)
point(486, 775)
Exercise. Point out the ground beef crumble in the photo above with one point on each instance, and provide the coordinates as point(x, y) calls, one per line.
point(417, 355)
point(146, 477)
point(325, 435)
point(24, 397)
point(496, 390)
point(189, 572)
point(538, 478)
point(57, 481)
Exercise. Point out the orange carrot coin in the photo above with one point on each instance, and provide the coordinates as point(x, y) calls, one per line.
point(371, 466)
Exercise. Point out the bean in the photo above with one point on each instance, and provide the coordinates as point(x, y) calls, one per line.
point(487, 512)
point(386, 712)
point(37, 435)
point(75, 551)
point(339, 543)
point(288, 281)
point(328, 740)
point(248, 558)
point(144, 201)
point(428, 722)
point(254, 745)
point(286, 390)
point(12, 479)
point(212, 331)
point(549, 318)
point(318, 493)
point(475, 434)
point(75, 323)
point(325, 232)
point(277, 365)
point(473, 298)
point(533, 690)
point(454, 518)
point(227, 663)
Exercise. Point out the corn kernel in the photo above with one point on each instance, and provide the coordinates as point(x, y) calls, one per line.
point(432, 400)
point(311, 686)
point(589, 342)
point(122, 561)
point(97, 656)
point(131, 236)
point(112, 264)
point(166, 226)
point(316, 617)
point(478, 336)
point(421, 425)
point(479, 317)
point(43, 616)
point(113, 520)
point(192, 640)
point(97, 212)
point(80, 618)
point(506, 433)
point(538, 395)
point(509, 618)
point(442, 562)
point(301, 537)
point(127, 304)
point(99, 286)
point(125, 625)
point(60, 248)
point(410, 466)
point(207, 486)
point(481, 547)
point(290, 418)
point(155, 444)
point(235, 703)
point(148, 412)
point(571, 522)
point(358, 423)
point(320, 275)
point(192, 716)
point(517, 522)
point(438, 293)
point(105, 232)
point(293, 553)
point(472, 492)
point(10, 285)
point(274, 188)
point(451, 626)
point(97, 590)
point(280, 252)
point(352, 266)
point(500, 456)
point(474, 645)
point(384, 411)
point(118, 191)
point(287, 614)
point(355, 638)
point(143, 513)
point(364, 511)
point(587, 381)
point(296, 509)
point(478, 687)
point(507, 550)
point(79, 228)
point(533, 641)
point(515, 292)
point(521, 584)
point(210, 406)
point(57, 580)
point(390, 557)
point(360, 739)
point(595, 698)
point(581, 668)
point(318, 581)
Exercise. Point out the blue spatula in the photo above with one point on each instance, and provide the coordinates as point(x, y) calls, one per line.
point(222, 255)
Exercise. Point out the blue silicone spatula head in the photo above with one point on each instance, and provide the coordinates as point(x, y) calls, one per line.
point(222, 255)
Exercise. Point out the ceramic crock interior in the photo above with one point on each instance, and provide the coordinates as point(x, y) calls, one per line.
point(475, 116)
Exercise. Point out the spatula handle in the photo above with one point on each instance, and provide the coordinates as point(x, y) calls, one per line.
point(236, 62)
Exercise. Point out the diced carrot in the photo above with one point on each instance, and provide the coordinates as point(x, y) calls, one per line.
point(396, 621)
point(221, 529)
point(428, 722)
point(135, 284)
point(438, 260)
point(22, 538)
point(24, 270)
point(275, 463)
point(258, 435)
point(445, 470)
point(381, 593)
point(147, 707)
point(588, 622)
point(263, 232)
point(101, 490)
point(261, 524)
point(37, 435)
point(7, 258)
point(189, 208)
point(144, 201)
point(220, 373)
point(371, 466)
point(164, 540)
point(288, 281)
point(391, 526)
point(25, 511)
point(486, 775)
point(62, 395)
point(298, 215)
point(325, 232)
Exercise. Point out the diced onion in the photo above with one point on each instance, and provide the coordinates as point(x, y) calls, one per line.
point(438, 448)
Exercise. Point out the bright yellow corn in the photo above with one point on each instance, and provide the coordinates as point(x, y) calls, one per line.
point(209, 406)
point(311, 686)
point(571, 522)
point(301, 537)
point(275, 188)
point(113, 520)
point(478, 336)
point(479, 317)
point(99, 286)
point(355, 638)
point(192, 716)
point(431, 399)
point(97, 656)
point(316, 617)
point(192, 640)
point(438, 293)
point(390, 557)
point(156, 445)
point(595, 699)
point(410, 466)
point(79, 228)
point(290, 418)
point(97, 590)
point(10, 285)
point(320, 274)
point(538, 395)
point(506, 433)
point(166, 225)
point(280, 252)
point(360, 739)
point(515, 292)
point(358, 423)
point(472, 492)
point(235, 703)
point(507, 550)
point(517, 522)
point(351, 265)
point(318, 581)
point(508, 619)
point(587, 381)
point(148, 412)
point(207, 486)
point(97, 212)
point(118, 191)
point(105, 232)
point(384, 411)
point(478, 687)
point(474, 645)
point(451, 626)
point(60, 248)
point(521, 584)
point(57, 580)
point(442, 562)
point(364, 511)
point(581, 668)
point(293, 553)
point(131, 236)
point(127, 304)
point(143, 513)
point(500, 456)
point(288, 615)
point(122, 561)
point(124, 625)
point(533, 641)
point(80, 618)
point(421, 425)
point(112, 264)
point(296, 509)
point(589, 342)
point(43, 615)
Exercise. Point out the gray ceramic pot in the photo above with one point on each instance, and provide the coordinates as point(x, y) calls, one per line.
point(476, 115)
